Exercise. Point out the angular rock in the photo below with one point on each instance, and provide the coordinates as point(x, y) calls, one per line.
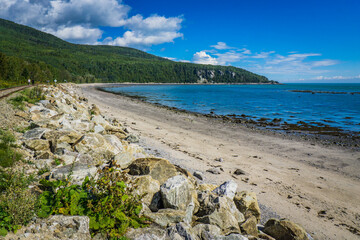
point(225, 216)
point(94, 109)
point(55, 227)
point(99, 129)
point(247, 203)
point(115, 142)
point(132, 138)
point(181, 231)
point(35, 133)
point(232, 236)
point(284, 230)
point(249, 226)
point(214, 171)
point(147, 185)
point(206, 187)
point(78, 172)
point(226, 189)
point(152, 232)
point(158, 168)
point(167, 217)
point(175, 193)
point(124, 159)
point(37, 144)
point(206, 231)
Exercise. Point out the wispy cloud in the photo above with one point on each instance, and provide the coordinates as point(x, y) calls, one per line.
point(80, 21)
point(265, 62)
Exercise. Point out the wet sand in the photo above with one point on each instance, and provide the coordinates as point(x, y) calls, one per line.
point(313, 185)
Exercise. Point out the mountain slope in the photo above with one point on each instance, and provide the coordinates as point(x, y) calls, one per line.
point(27, 49)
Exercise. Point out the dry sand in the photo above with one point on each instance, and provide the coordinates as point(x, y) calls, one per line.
point(313, 185)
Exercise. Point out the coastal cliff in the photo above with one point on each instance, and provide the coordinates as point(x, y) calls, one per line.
point(63, 139)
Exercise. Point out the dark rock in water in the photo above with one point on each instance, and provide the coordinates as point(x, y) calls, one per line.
point(239, 172)
point(285, 230)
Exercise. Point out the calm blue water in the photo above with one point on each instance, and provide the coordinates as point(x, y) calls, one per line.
point(261, 101)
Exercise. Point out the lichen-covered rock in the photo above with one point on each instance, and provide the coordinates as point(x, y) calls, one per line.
point(167, 217)
point(147, 185)
point(181, 231)
point(284, 230)
point(226, 189)
point(152, 232)
point(158, 168)
point(225, 216)
point(55, 227)
point(35, 133)
point(247, 203)
point(175, 193)
point(79, 171)
point(37, 144)
point(94, 110)
point(249, 226)
point(206, 231)
point(124, 159)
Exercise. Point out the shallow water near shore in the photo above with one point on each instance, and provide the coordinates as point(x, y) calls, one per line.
point(331, 105)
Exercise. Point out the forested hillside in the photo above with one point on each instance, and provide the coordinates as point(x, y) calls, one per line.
point(29, 53)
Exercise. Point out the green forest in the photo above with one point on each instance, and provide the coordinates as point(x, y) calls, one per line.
point(28, 53)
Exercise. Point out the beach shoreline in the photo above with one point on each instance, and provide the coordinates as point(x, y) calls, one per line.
point(295, 179)
point(301, 132)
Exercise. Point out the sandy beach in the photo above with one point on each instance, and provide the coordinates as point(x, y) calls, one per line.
point(314, 185)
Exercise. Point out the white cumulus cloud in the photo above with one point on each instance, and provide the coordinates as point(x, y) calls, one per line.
point(203, 58)
point(80, 21)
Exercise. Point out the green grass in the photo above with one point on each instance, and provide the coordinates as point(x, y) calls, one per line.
point(30, 95)
point(8, 156)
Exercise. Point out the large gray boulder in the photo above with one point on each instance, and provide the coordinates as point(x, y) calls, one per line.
point(226, 216)
point(35, 133)
point(226, 189)
point(175, 193)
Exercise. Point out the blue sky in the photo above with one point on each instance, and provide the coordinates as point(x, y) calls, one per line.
point(288, 41)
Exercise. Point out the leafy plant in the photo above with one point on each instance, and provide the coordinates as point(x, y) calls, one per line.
point(110, 203)
point(17, 202)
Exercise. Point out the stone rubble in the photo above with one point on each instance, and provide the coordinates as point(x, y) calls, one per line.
point(67, 129)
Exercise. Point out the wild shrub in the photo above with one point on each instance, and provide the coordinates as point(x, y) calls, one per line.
point(8, 156)
point(17, 201)
point(110, 204)
point(30, 95)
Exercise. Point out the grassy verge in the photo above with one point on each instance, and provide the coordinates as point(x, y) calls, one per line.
point(30, 95)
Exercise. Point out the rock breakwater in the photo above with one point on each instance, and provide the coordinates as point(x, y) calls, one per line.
point(69, 137)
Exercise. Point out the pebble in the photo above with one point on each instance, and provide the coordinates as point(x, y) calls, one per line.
point(198, 175)
point(214, 171)
point(239, 172)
